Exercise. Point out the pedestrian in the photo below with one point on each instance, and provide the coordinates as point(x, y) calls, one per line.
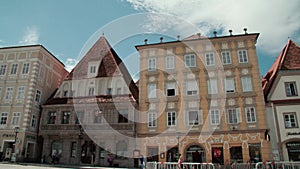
point(180, 161)
point(110, 160)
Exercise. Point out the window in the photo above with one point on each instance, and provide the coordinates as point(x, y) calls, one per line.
point(171, 118)
point(123, 116)
point(246, 84)
point(65, 93)
point(233, 116)
point(212, 86)
point(109, 91)
point(151, 64)
point(250, 114)
point(2, 69)
point(119, 90)
point(73, 149)
point(215, 116)
point(38, 96)
point(65, 117)
point(171, 89)
point(229, 85)
point(51, 117)
point(210, 59)
point(98, 116)
point(92, 69)
point(3, 120)
point(9, 93)
point(291, 89)
point(226, 57)
point(16, 118)
point(21, 92)
point(91, 91)
point(190, 60)
point(170, 64)
point(242, 54)
point(151, 90)
point(290, 120)
point(152, 119)
point(191, 88)
point(14, 69)
point(33, 121)
point(194, 117)
point(25, 69)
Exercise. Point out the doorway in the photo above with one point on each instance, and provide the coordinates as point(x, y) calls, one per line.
point(217, 155)
point(195, 153)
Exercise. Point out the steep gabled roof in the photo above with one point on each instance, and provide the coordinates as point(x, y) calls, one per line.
point(288, 59)
point(100, 51)
point(110, 65)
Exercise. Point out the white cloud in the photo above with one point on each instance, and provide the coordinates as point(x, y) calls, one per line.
point(70, 63)
point(275, 20)
point(31, 36)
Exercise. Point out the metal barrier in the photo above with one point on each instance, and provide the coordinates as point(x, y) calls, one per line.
point(259, 165)
point(175, 165)
point(278, 165)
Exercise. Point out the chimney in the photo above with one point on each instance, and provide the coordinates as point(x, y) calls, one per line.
point(161, 39)
point(199, 35)
point(215, 33)
point(178, 37)
point(145, 41)
point(245, 29)
point(230, 32)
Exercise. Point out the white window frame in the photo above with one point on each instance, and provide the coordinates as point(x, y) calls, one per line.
point(229, 85)
point(151, 90)
point(33, 123)
point(9, 93)
point(171, 86)
point(91, 91)
point(171, 118)
point(66, 117)
point(226, 57)
point(289, 124)
point(2, 70)
point(14, 69)
point(192, 88)
point(38, 96)
point(170, 62)
point(243, 56)
point(250, 114)
point(3, 118)
point(290, 89)
point(21, 92)
point(215, 116)
point(151, 64)
point(233, 116)
point(15, 121)
point(247, 83)
point(152, 119)
point(212, 86)
point(210, 59)
point(199, 119)
point(190, 60)
point(26, 67)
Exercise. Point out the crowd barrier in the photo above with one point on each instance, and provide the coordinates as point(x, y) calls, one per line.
point(259, 165)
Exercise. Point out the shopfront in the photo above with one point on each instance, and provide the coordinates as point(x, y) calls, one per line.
point(293, 149)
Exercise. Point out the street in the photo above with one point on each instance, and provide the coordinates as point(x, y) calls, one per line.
point(24, 166)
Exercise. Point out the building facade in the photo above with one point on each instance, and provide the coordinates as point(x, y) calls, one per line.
point(91, 115)
point(28, 76)
point(281, 85)
point(202, 94)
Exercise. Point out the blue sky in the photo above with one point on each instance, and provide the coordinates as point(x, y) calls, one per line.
point(65, 27)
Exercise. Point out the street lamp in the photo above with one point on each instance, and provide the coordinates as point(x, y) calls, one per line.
point(16, 130)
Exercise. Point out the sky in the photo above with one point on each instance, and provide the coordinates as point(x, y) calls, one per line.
point(68, 28)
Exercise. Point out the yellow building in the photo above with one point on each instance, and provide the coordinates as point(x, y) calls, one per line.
point(202, 93)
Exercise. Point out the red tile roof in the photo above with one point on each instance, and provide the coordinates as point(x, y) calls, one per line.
point(288, 59)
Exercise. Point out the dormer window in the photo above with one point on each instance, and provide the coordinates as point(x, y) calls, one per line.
point(92, 69)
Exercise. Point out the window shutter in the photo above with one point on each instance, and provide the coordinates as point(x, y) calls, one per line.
point(239, 115)
point(226, 116)
point(200, 117)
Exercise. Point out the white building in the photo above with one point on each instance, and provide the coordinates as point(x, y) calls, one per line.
point(281, 86)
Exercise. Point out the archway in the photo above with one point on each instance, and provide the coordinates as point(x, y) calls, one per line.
point(195, 153)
